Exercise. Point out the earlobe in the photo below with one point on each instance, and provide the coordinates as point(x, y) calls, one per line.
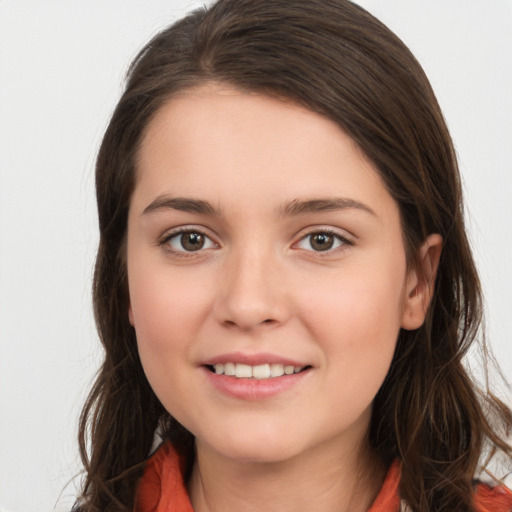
point(421, 283)
point(130, 316)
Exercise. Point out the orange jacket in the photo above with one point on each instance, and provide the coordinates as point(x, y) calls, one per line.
point(162, 488)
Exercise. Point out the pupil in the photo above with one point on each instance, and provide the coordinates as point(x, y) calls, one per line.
point(192, 241)
point(322, 241)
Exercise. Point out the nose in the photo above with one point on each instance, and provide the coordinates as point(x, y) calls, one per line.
point(251, 292)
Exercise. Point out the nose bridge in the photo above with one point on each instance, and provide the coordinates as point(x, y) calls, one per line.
point(249, 293)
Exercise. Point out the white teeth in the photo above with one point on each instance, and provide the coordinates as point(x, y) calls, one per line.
point(229, 369)
point(261, 371)
point(243, 370)
point(276, 370)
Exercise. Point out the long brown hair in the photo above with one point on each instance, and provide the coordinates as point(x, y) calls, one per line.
point(334, 58)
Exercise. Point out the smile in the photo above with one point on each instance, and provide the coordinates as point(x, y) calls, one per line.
point(260, 372)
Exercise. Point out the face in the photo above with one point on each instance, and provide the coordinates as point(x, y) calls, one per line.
point(267, 274)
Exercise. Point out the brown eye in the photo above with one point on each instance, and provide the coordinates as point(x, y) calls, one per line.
point(192, 241)
point(189, 241)
point(322, 241)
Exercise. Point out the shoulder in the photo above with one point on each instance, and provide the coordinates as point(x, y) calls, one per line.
point(493, 499)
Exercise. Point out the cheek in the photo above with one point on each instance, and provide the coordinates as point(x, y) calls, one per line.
point(357, 318)
point(166, 314)
point(163, 301)
point(167, 310)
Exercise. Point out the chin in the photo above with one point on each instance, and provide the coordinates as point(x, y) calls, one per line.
point(249, 448)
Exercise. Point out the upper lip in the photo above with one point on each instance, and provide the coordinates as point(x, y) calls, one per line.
point(253, 359)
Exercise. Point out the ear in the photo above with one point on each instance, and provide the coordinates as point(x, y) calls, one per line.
point(420, 283)
point(130, 316)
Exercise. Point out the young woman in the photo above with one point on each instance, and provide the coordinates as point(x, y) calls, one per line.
point(284, 286)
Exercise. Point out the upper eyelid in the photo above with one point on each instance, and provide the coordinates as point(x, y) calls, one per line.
point(339, 232)
point(170, 233)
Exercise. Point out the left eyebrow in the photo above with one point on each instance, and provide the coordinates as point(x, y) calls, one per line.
point(298, 207)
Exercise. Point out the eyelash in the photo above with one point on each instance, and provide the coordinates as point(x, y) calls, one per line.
point(343, 241)
point(164, 242)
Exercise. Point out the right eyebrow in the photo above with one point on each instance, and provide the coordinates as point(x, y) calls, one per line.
point(182, 204)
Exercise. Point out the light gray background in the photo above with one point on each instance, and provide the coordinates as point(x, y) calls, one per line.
point(61, 71)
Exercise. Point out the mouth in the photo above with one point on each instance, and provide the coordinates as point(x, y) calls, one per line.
point(257, 372)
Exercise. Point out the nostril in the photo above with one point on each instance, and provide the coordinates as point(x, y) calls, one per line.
point(232, 323)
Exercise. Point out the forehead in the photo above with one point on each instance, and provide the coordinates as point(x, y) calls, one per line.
point(224, 144)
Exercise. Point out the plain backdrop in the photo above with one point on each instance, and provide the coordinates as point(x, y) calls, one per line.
point(61, 71)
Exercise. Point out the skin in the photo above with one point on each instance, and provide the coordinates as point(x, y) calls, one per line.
point(260, 285)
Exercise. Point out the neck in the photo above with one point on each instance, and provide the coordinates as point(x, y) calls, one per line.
point(321, 480)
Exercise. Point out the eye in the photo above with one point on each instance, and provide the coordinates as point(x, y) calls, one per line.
point(322, 241)
point(188, 241)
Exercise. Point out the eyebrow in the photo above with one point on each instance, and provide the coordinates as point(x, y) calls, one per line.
point(182, 204)
point(289, 209)
point(298, 207)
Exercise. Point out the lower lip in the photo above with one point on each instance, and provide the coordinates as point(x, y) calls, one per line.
point(254, 389)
